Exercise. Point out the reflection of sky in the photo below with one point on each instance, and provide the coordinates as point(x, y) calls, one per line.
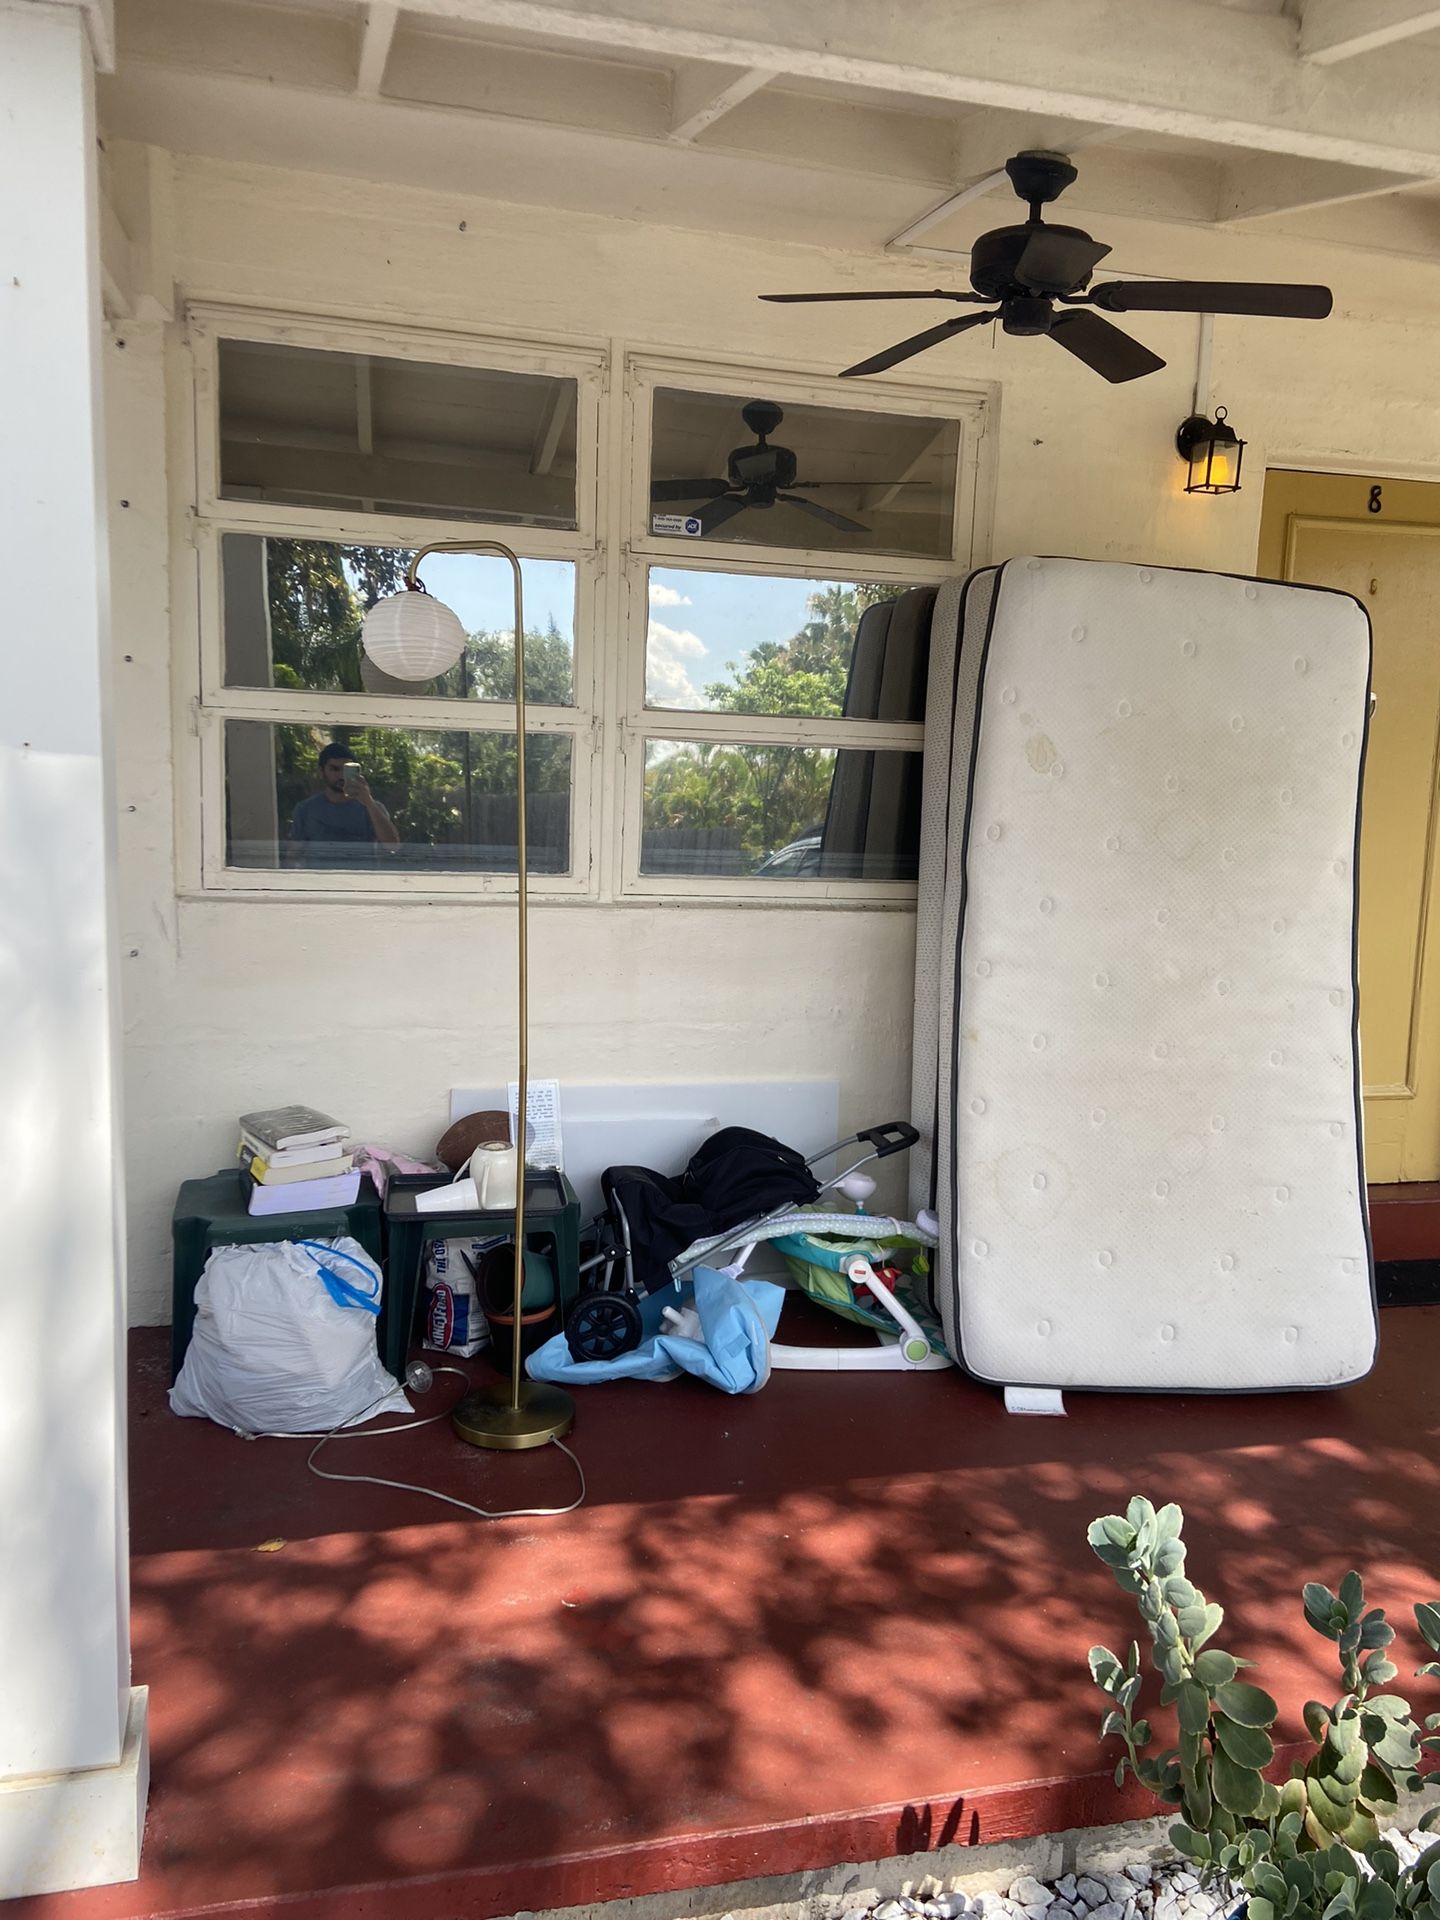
point(700, 622)
point(480, 590)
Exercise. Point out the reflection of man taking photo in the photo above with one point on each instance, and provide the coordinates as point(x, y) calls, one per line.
point(331, 827)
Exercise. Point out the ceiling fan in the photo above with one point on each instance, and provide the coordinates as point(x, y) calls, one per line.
point(756, 476)
point(1037, 275)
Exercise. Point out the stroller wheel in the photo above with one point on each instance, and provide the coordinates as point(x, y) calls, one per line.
point(602, 1326)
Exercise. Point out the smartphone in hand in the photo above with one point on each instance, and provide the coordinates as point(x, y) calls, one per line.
point(352, 776)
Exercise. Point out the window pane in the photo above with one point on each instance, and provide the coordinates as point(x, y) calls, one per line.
point(293, 609)
point(448, 798)
point(368, 434)
point(761, 643)
point(716, 476)
point(791, 813)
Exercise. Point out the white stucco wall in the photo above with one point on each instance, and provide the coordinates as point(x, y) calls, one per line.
point(375, 1010)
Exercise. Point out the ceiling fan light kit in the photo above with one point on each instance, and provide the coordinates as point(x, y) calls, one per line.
point(1037, 275)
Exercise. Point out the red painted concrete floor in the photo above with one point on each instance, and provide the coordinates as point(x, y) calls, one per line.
point(842, 1619)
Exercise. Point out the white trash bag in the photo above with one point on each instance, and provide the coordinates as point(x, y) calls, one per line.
point(284, 1340)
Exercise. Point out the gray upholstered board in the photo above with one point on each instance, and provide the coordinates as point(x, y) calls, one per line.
point(1141, 930)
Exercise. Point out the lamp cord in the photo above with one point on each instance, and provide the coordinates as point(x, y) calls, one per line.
point(409, 1486)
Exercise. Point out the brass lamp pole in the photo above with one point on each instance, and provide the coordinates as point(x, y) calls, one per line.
point(522, 1413)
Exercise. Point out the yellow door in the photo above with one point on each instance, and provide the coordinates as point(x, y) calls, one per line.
point(1380, 540)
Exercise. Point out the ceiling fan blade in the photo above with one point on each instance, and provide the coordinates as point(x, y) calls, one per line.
point(827, 514)
point(1279, 300)
point(1055, 261)
point(719, 511)
point(1111, 353)
point(917, 343)
point(935, 293)
point(688, 489)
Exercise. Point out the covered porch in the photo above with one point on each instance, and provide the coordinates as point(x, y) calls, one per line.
point(843, 1620)
point(291, 289)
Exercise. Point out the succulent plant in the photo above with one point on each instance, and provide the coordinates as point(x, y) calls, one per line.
point(1295, 1849)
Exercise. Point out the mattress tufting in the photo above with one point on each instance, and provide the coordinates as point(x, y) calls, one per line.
point(1135, 1037)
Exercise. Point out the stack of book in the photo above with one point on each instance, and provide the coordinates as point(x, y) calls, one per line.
point(295, 1160)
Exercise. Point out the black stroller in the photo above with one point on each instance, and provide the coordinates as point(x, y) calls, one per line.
point(737, 1178)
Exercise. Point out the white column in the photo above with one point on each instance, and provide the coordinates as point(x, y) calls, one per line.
point(72, 1748)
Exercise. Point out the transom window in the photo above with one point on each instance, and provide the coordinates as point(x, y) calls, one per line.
point(725, 685)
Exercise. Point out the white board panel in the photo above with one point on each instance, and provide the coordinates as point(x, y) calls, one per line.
point(660, 1125)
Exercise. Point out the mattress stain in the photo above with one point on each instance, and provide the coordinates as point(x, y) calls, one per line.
point(1040, 752)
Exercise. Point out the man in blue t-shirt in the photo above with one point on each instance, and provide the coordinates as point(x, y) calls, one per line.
point(343, 824)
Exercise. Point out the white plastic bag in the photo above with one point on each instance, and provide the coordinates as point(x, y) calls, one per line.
point(284, 1340)
point(454, 1318)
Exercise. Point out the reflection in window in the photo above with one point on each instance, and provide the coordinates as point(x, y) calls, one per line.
point(763, 643)
point(857, 481)
point(293, 611)
point(449, 798)
point(792, 813)
point(373, 434)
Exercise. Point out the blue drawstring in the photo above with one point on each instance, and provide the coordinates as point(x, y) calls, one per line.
point(344, 1292)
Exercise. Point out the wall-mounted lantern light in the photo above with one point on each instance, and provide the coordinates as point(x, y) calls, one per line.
point(1212, 451)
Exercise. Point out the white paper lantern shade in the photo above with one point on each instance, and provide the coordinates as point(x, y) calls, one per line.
point(412, 636)
point(374, 680)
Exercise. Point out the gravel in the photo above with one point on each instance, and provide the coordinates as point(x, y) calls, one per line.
point(1144, 1890)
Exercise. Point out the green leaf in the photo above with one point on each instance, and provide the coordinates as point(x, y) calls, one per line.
point(1119, 1764)
point(1260, 1908)
point(1246, 1746)
point(1428, 1821)
point(1319, 1606)
point(1378, 1788)
point(1376, 1901)
point(1193, 1706)
point(1317, 1720)
point(1213, 1668)
point(1375, 1629)
point(1378, 1670)
point(1251, 1706)
point(1330, 1814)
point(1237, 1788)
point(1105, 1669)
point(1195, 1846)
point(1168, 1523)
point(1193, 1621)
point(1352, 1594)
point(1214, 1615)
point(1427, 1618)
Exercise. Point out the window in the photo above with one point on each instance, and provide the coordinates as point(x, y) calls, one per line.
point(322, 470)
point(777, 703)
point(725, 680)
point(851, 479)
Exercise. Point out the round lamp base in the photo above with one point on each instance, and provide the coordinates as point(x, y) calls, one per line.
point(486, 1418)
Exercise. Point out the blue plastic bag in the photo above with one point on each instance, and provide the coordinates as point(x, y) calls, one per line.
point(738, 1318)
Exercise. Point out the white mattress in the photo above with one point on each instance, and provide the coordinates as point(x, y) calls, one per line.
point(1136, 1041)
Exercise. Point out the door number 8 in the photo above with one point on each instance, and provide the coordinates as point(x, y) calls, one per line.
point(1373, 503)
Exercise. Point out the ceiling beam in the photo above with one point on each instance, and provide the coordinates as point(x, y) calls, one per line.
point(1259, 189)
point(700, 95)
point(1169, 67)
point(1335, 30)
point(376, 34)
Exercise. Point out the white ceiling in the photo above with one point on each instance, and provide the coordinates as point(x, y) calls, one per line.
point(838, 122)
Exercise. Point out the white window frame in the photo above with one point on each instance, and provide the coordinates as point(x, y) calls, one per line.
point(612, 549)
point(644, 549)
point(206, 703)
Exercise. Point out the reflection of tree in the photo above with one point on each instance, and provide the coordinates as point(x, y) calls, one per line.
point(436, 785)
point(772, 795)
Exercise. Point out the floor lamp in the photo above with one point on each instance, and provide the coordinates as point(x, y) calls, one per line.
point(413, 636)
